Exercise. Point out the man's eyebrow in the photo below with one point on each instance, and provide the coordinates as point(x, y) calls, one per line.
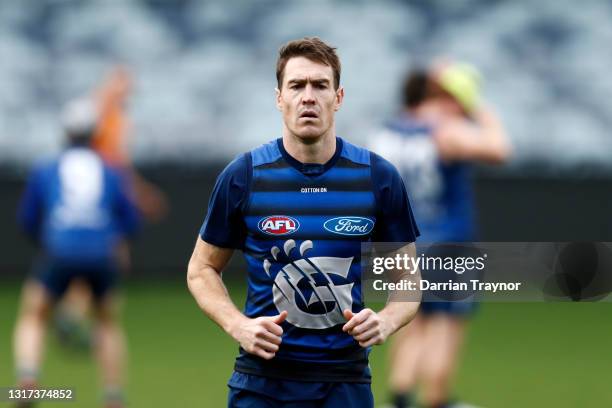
point(304, 80)
point(296, 81)
point(321, 81)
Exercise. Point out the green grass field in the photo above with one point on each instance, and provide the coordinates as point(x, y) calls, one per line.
point(517, 355)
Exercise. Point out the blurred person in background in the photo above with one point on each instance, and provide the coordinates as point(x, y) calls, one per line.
point(110, 139)
point(442, 128)
point(77, 209)
point(111, 136)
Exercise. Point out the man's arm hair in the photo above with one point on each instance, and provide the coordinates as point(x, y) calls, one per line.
point(205, 284)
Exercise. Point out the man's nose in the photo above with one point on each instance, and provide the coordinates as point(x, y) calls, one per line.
point(308, 95)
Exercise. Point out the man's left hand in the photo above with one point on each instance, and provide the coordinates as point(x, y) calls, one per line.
point(367, 327)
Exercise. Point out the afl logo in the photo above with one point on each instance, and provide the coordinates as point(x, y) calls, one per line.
point(349, 225)
point(278, 225)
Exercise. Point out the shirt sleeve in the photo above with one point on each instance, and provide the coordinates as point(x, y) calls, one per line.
point(395, 221)
point(128, 215)
point(224, 223)
point(30, 213)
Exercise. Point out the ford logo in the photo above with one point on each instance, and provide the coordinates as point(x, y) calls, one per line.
point(349, 225)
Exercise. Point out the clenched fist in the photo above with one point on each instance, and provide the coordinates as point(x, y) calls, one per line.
point(367, 327)
point(260, 336)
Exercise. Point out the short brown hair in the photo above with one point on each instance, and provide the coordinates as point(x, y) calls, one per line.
point(312, 48)
point(415, 88)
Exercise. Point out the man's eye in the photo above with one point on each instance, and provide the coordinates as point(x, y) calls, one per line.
point(322, 86)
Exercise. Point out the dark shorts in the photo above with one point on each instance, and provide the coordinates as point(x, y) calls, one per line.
point(56, 276)
point(453, 303)
point(259, 392)
point(463, 308)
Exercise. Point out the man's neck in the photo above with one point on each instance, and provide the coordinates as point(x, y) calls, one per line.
point(320, 151)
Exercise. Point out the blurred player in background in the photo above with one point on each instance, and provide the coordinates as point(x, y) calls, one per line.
point(110, 142)
point(77, 209)
point(442, 128)
point(299, 208)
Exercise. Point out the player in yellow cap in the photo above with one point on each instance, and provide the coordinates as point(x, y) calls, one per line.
point(442, 128)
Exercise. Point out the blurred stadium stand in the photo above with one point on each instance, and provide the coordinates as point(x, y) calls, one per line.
point(205, 70)
point(204, 74)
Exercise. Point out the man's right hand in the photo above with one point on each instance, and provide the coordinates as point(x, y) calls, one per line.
point(260, 336)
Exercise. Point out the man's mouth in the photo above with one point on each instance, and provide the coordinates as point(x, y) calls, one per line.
point(309, 114)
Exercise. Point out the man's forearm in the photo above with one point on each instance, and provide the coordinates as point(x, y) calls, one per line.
point(402, 305)
point(493, 146)
point(398, 314)
point(210, 293)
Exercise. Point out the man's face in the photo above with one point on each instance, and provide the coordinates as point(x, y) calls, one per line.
point(445, 102)
point(307, 98)
point(451, 108)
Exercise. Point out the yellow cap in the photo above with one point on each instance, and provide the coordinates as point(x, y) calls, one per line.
point(462, 82)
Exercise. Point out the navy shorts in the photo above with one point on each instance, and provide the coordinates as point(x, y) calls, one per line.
point(462, 308)
point(56, 276)
point(250, 391)
point(453, 303)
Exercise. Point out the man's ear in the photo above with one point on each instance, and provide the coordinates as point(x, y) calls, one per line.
point(277, 94)
point(339, 98)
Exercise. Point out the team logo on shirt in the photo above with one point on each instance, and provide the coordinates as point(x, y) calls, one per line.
point(349, 225)
point(278, 225)
point(313, 290)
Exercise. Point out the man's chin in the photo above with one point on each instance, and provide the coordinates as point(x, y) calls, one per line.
point(309, 136)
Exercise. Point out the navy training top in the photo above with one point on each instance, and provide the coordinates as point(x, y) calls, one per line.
point(300, 227)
